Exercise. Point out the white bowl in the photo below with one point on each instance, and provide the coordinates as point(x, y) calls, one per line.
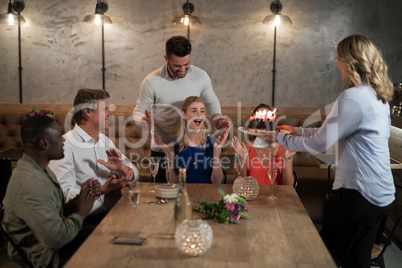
point(167, 190)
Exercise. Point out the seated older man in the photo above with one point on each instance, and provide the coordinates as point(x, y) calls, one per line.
point(90, 154)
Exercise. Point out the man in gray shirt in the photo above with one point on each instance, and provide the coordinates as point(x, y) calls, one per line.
point(165, 89)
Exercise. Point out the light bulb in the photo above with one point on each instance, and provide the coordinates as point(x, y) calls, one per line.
point(98, 20)
point(10, 19)
point(277, 21)
point(186, 21)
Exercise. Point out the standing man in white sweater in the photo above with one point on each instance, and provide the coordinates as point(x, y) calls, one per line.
point(164, 91)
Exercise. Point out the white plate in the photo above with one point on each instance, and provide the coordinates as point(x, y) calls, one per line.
point(167, 190)
point(252, 133)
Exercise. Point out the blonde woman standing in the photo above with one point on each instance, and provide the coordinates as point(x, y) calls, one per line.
point(360, 123)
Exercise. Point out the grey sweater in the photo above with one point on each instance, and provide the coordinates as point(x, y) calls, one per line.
point(166, 95)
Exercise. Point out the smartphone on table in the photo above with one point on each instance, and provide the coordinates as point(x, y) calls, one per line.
point(129, 240)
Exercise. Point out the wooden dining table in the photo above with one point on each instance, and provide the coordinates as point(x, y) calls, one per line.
point(279, 233)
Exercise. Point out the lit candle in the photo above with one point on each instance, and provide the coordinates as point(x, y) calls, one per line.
point(193, 237)
point(272, 115)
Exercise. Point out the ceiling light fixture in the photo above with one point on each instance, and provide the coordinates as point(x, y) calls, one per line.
point(10, 18)
point(276, 19)
point(187, 18)
point(99, 18)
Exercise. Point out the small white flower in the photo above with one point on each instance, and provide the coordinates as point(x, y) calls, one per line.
point(230, 198)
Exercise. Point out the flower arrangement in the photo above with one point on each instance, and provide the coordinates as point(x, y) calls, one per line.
point(44, 112)
point(230, 209)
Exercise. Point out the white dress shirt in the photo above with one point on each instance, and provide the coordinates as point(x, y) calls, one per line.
point(79, 164)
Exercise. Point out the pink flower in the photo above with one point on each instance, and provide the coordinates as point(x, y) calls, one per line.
point(236, 217)
point(47, 111)
point(41, 113)
point(32, 114)
point(229, 206)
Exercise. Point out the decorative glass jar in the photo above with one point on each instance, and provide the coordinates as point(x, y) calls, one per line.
point(193, 237)
point(247, 187)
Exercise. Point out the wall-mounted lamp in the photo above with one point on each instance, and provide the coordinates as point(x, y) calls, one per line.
point(275, 19)
point(10, 18)
point(99, 18)
point(187, 18)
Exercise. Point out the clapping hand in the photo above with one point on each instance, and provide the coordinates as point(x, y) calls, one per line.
point(218, 142)
point(289, 154)
point(146, 121)
point(86, 198)
point(222, 123)
point(161, 144)
point(114, 161)
point(113, 183)
point(240, 149)
point(95, 188)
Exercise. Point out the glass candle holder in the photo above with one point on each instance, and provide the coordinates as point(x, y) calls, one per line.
point(247, 187)
point(193, 237)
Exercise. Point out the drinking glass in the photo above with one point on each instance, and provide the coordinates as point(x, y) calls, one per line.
point(169, 166)
point(272, 171)
point(154, 166)
point(134, 190)
point(239, 165)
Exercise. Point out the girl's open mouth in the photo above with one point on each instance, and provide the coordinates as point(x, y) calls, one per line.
point(198, 122)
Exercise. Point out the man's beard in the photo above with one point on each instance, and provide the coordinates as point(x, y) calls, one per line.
point(175, 72)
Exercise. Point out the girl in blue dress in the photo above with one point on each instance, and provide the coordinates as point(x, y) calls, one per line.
point(194, 150)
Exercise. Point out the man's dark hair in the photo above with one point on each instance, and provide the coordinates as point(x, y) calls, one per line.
point(33, 129)
point(178, 45)
point(86, 98)
point(261, 105)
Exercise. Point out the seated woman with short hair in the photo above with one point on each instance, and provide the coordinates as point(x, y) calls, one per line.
point(258, 157)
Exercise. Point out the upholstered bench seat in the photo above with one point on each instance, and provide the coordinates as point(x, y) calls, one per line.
point(136, 144)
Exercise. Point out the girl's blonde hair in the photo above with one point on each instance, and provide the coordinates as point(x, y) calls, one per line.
point(202, 136)
point(365, 66)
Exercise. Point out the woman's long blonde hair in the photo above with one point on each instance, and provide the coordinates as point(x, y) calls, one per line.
point(183, 133)
point(366, 66)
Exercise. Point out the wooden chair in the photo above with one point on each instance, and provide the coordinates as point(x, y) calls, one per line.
point(10, 240)
point(377, 257)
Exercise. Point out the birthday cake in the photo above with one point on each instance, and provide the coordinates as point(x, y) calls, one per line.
point(261, 121)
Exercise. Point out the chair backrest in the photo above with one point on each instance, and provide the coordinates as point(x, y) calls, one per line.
point(224, 180)
point(296, 179)
point(377, 259)
point(389, 237)
point(10, 240)
point(5, 174)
